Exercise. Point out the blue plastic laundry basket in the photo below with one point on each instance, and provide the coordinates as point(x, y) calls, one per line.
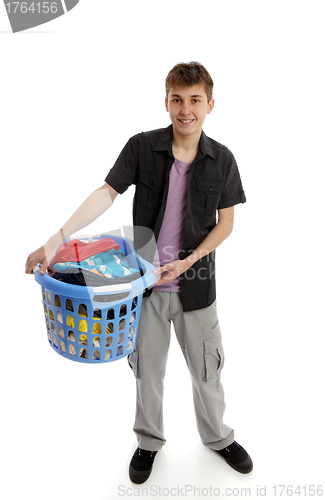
point(95, 324)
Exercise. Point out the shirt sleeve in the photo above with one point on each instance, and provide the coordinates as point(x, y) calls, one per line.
point(125, 170)
point(233, 192)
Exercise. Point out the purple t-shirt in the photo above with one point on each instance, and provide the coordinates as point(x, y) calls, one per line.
point(170, 239)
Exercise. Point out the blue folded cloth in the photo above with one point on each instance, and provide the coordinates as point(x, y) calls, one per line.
point(112, 264)
point(83, 277)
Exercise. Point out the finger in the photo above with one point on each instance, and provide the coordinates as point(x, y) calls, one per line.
point(158, 270)
point(29, 265)
point(27, 260)
point(162, 281)
point(165, 278)
point(159, 282)
point(44, 267)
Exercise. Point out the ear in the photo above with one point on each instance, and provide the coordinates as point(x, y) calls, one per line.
point(210, 106)
point(166, 103)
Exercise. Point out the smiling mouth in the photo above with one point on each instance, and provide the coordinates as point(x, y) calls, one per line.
point(186, 121)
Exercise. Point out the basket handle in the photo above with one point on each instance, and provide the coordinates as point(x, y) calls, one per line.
point(124, 287)
point(100, 292)
point(36, 268)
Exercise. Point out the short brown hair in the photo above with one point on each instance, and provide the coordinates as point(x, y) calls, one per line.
point(190, 74)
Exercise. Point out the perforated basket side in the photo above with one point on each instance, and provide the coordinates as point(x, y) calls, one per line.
point(81, 332)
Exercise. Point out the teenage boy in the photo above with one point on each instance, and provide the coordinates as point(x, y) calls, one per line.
point(182, 179)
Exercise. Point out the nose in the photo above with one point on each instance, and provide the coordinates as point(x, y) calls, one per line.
point(185, 110)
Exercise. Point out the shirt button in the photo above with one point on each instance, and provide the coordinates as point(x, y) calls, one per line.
point(210, 189)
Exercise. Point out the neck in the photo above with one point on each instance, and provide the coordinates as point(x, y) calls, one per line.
point(186, 142)
point(185, 148)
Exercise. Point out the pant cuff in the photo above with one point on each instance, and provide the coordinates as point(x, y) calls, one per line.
point(220, 445)
point(150, 444)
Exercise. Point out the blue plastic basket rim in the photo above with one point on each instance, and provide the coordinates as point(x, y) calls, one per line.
point(88, 292)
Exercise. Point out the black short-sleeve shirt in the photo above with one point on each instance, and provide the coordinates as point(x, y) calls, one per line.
point(214, 183)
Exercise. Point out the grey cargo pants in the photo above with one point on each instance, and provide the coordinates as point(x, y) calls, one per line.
point(199, 337)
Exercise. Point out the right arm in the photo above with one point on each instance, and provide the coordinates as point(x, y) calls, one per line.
point(94, 206)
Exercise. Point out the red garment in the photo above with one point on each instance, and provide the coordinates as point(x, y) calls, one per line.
point(76, 250)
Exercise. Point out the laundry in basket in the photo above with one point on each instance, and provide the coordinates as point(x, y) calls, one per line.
point(95, 324)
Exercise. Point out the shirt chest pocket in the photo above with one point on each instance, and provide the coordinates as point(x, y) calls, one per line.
point(208, 195)
point(150, 189)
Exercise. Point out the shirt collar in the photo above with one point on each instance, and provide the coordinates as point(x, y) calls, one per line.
point(165, 143)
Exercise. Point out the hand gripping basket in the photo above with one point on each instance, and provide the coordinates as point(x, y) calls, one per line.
point(95, 324)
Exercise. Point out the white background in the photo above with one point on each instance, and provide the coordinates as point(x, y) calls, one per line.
point(72, 93)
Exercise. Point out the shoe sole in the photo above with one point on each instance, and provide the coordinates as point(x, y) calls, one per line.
point(243, 467)
point(139, 476)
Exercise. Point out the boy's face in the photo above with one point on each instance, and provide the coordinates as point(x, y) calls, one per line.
point(187, 108)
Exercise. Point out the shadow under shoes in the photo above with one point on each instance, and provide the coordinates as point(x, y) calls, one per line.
point(141, 465)
point(237, 458)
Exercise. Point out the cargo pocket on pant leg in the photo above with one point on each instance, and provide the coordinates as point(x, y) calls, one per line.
point(133, 360)
point(213, 355)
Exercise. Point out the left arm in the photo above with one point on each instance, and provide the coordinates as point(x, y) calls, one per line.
point(216, 236)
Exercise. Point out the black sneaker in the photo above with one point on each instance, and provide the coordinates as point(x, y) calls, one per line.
point(237, 458)
point(141, 465)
